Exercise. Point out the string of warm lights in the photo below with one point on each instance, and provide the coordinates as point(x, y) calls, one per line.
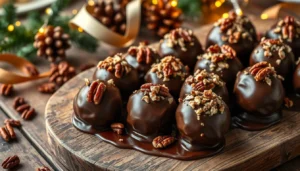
point(11, 27)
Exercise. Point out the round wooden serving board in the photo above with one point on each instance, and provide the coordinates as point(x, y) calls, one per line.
point(244, 150)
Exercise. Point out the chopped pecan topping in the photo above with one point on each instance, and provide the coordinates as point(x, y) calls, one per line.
point(169, 67)
point(202, 80)
point(233, 29)
point(96, 92)
point(181, 37)
point(155, 92)
point(219, 56)
point(143, 53)
point(12, 122)
point(288, 28)
point(205, 103)
point(262, 71)
point(163, 141)
point(11, 162)
point(115, 65)
point(271, 46)
point(288, 103)
point(117, 128)
point(6, 89)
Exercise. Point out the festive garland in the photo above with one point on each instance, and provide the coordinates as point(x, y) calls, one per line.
point(18, 39)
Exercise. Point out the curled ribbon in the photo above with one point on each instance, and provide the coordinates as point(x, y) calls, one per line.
point(93, 27)
point(21, 64)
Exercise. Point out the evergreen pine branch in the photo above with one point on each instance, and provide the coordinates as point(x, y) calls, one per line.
point(190, 8)
point(9, 15)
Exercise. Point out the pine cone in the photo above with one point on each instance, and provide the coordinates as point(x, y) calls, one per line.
point(61, 73)
point(52, 43)
point(161, 17)
point(112, 17)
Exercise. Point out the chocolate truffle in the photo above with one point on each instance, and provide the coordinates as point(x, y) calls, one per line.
point(203, 80)
point(221, 61)
point(296, 79)
point(259, 93)
point(182, 44)
point(202, 119)
point(97, 105)
point(170, 72)
point(279, 55)
point(124, 76)
point(141, 58)
point(151, 112)
point(230, 31)
point(287, 29)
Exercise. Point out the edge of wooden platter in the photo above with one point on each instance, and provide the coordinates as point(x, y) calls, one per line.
point(244, 150)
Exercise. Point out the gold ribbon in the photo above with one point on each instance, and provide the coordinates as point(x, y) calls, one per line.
point(93, 27)
point(21, 64)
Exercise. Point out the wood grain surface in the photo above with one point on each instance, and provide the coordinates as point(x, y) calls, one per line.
point(29, 156)
point(244, 150)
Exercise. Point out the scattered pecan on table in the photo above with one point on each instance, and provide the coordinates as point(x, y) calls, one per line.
point(43, 168)
point(7, 132)
point(6, 89)
point(26, 111)
point(47, 88)
point(11, 162)
point(288, 103)
point(12, 122)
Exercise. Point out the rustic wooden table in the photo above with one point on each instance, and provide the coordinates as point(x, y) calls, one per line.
point(32, 144)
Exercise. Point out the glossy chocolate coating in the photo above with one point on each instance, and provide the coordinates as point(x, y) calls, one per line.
point(285, 68)
point(296, 80)
point(243, 47)
point(127, 83)
point(174, 84)
point(99, 116)
point(142, 68)
point(219, 90)
point(188, 57)
point(145, 121)
point(295, 44)
point(190, 128)
point(227, 75)
point(260, 103)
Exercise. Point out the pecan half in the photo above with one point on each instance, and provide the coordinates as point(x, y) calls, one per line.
point(96, 92)
point(12, 122)
point(163, 141)
point(6, 89)
point(48, 88)
point(117, 128)
point(11, 162)
point(7, 132)
point(44, 168)
point(228, 51)
point(118, 70)
point(28, 113)
point(288, 103)
point(4, 134)
point(18, 101)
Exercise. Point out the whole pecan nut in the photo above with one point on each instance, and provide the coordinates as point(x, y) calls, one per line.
point(47, 88)
point(6, 89)
point(28, 113)
point(162, 141)
point(11, 162)
point(18, 101)
point(31, 70)
point(12, 122)
point(117, 128)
